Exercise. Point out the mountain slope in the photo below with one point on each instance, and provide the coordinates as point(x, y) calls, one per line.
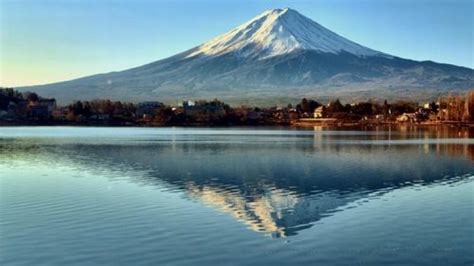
point(277, 56)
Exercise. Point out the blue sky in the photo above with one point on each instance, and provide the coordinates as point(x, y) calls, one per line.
point(48, 41)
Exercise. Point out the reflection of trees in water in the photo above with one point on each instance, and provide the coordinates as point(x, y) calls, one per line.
point(273, 187)
point(392, 135)
point(398, 131)
point(459, 150)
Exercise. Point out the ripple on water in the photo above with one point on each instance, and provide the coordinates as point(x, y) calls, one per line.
point(198, 197)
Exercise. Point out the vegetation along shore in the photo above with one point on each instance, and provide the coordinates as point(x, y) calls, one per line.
point(31, 109)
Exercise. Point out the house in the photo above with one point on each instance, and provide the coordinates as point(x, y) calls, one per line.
point(12, 109)
point(100, 117)
point(17, 110)
point(43, 108)
point(215, 108)
point(319, 112)
point(60, 113)
point(407, 117)
point(293, 114)
point(147, 109)
point(3, 114)
point(39, 111)
point(50, 104)
point(253, 115)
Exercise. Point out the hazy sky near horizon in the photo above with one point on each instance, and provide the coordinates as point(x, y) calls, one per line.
point(43, 41)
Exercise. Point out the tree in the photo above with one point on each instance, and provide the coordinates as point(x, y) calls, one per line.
point(76, 108)
point(307, 106)
point(86, 109)
point(335, 107)
point(364, 108)
point(32, 97)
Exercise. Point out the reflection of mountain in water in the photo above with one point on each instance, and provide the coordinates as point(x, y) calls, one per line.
point(277, 187)
point(276, 212)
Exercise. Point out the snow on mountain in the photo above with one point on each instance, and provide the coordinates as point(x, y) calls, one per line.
point(277, 32)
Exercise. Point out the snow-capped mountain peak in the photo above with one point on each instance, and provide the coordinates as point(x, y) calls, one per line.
point(277, 32)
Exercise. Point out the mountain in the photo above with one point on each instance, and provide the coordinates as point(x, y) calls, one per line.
point(277, 56)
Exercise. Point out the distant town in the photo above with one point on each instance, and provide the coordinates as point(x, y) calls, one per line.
point(29, 108)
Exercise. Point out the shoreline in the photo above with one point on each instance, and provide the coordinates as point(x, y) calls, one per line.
point(343, 124)
point(292, 124)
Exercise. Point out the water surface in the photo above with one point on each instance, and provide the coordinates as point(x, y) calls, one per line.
point(252, 196)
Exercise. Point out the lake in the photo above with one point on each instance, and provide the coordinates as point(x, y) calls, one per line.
point(236, 196)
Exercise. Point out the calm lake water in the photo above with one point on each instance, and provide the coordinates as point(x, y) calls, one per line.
point(108, 196)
